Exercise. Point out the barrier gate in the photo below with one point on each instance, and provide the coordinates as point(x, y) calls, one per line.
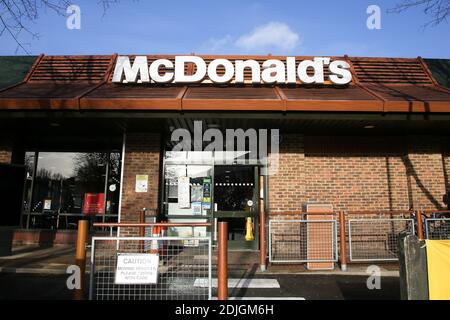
point(176, 268)
point(375, 239)
point(437, 228)
point(298, 241)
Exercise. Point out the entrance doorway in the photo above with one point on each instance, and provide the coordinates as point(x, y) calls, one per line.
point(198, 189)
point(236, 202)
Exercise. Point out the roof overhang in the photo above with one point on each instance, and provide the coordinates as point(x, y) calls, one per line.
point(81, 83)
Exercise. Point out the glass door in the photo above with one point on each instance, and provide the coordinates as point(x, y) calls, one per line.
point(188, 197)
point(236, 202)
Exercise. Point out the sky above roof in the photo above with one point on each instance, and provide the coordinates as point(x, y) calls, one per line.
point(235, 27)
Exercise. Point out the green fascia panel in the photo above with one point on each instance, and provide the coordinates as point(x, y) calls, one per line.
point(440, 68)
point(13, 69)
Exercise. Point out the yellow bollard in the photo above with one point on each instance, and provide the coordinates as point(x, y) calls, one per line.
point(249, 230)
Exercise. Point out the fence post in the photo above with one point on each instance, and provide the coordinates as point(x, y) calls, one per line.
point(142, 229)
point(80, 256)
point(222, 263)
point(419, 225)
point(342, 241)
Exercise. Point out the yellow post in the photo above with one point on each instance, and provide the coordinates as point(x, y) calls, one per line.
point(249, 230)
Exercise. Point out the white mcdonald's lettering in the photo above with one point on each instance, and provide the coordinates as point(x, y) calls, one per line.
point(272, 71)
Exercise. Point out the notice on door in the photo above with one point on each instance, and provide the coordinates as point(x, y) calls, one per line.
point(140, 268)
point(184, 194)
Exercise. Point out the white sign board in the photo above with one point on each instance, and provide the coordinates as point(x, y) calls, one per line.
point(137, 268)
point(270, 71)
point(184, 192)
point(47, 204)
point(141, 183)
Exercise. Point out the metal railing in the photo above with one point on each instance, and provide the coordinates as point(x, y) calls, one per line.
point(437, 228)
point(299, 241)
point(375, 239)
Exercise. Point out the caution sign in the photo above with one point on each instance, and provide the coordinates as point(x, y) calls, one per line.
point(438, 263)
point(137, 268)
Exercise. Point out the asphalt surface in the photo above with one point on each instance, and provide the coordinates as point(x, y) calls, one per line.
point(310, 287)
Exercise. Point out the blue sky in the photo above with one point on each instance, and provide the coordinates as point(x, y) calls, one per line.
point(237, 27)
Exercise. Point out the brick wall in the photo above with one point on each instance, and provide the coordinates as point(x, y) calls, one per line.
point(356, 173)
point(359, 173)
point(445, 143)
point(446, 162)
point(425, 172)
point(142, 157)
point(5, 151)
point(287, 186)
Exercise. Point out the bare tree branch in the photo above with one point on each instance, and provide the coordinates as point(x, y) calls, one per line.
point(439, 10)
point(17, 15)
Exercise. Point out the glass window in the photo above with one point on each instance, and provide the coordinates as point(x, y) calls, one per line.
point(234, 188)
point(29, 174)
point(71, 185)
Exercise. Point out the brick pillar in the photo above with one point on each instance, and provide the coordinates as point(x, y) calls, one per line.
point(425, 172)
point(142, 156)
point(5, 151)
point(287, 186)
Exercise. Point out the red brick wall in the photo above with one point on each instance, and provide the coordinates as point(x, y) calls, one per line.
point(142, 157)
point(358, 173)
point(445, 143)
point(287, 186)
point(425, 172)
point(446, 161)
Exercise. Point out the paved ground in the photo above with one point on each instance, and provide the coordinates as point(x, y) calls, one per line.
point(309, 287)
point(39, 273)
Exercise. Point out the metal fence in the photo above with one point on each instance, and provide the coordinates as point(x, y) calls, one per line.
point(375, 239)
point(437, 228)
point(182, 267)
point(298, 241)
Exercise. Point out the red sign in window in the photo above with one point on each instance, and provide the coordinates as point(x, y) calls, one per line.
point(94, 203)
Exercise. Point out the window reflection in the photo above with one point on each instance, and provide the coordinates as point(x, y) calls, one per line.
point(234, 188)
point(62, 180)
point(71, 184)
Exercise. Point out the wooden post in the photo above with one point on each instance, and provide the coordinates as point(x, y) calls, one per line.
point(142, 229)
point(419, 225)
point(342, 241)
point(222, 263)
point(80, 256)
point(262, 237)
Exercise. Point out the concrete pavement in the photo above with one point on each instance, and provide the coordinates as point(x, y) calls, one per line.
point(40, 273)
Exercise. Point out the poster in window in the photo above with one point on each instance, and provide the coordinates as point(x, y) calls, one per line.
point(197, 193)
point(206, 194)
point(197, 208)
point(47, 204)
point(94, 203)
point(184, 192)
